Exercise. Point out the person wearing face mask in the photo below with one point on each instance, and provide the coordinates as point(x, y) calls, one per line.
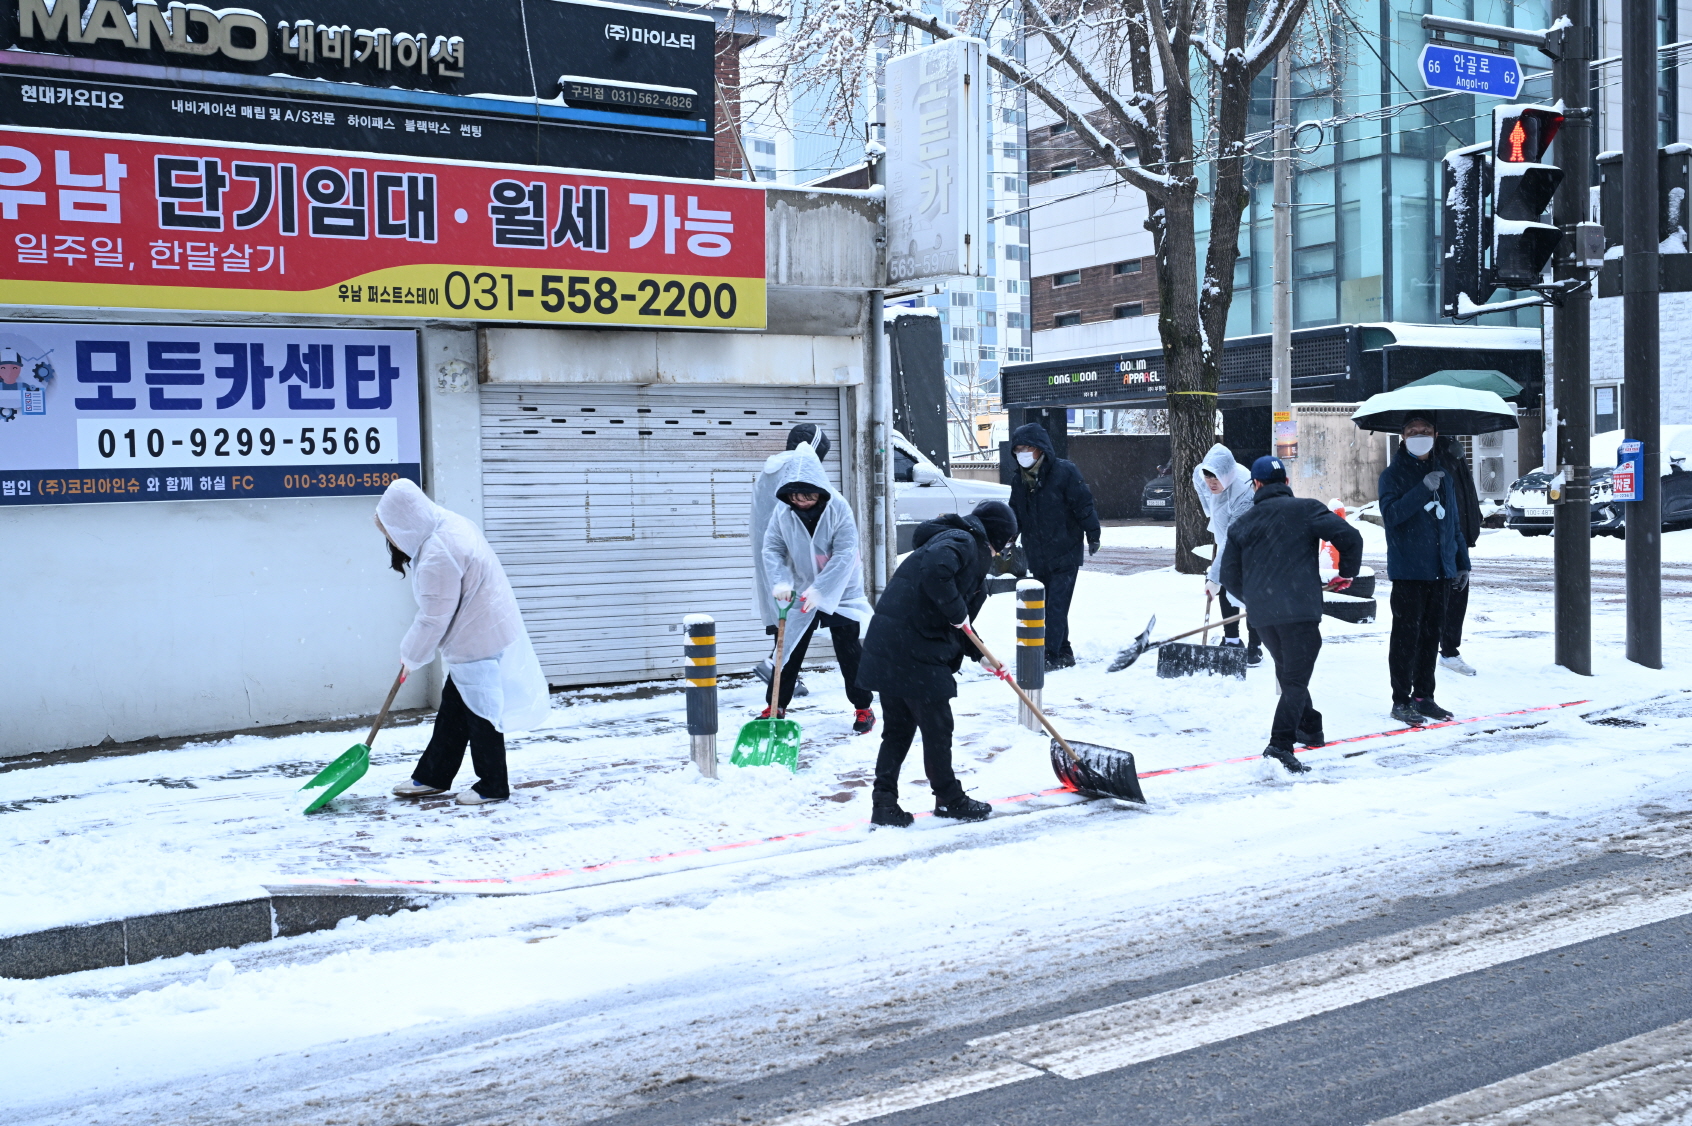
point(1054, 509)
point(815, 444)
point(1427, 558)
point(1224, 489)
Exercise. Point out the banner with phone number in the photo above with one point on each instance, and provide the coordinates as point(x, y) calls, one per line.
point(103, 413)
point(118, 222)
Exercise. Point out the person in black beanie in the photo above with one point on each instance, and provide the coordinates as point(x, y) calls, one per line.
point(916, 644)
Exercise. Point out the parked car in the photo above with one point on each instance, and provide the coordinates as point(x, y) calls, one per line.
point(921, 492)
point(1157, 499)
point(1529, 511)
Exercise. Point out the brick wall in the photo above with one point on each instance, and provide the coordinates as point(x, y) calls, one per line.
point(1063, 151)
point(730, 164)
point(1097, 296)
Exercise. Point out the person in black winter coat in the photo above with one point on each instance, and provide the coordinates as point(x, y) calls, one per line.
point(1450, 459)
point(1054, 510)
point(1269, 566)
point(916, 643)
point(1427, 560)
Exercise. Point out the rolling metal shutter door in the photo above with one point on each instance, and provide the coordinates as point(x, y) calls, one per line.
point(616, 509)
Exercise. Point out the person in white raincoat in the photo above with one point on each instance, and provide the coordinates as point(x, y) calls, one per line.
point(811, 554)
point(467, 614)
point(815, 444)
point(1225, 492)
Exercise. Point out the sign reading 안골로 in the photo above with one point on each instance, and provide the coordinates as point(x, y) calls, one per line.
point(117, 222)
point(1470, 69)
point(100, 412)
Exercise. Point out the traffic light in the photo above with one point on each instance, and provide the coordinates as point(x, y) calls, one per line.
point(1467, 228)
point(1522, 188)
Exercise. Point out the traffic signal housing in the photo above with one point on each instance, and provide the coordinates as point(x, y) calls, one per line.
point(1468, 228)
point(1522, 187)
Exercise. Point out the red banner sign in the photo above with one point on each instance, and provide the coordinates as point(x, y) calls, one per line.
point(116, 222)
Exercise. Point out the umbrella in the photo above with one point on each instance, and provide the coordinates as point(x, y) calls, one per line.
point(1477, 379)
point(1452, 410)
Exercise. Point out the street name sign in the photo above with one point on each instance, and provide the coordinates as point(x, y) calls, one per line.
point(1470, 69)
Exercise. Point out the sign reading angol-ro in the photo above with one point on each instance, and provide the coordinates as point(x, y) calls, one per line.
point(115, 222)
point(102, 412)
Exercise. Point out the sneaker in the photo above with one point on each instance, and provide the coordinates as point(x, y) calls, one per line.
point(471, 797)
point(1060, 661)
point(1254, 657)
point(960, 806)
point(1311, 739)
point(1408, 715)
point(1286, 758)
point(1233, 642)
point(1457, 665)
point(863, 721)
point(887, 812)
point(415, 789)
point(1426, 705)
point(765, 714)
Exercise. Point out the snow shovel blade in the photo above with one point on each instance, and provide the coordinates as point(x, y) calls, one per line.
point(1190, 660)
point(1098, 772)
point(768, 742)
point(338, 776)
point(1131, 654)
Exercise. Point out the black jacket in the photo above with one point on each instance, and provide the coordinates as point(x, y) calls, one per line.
point(1468, 498)
point(912, 648)
point(1270, 561)
point(1057, 512)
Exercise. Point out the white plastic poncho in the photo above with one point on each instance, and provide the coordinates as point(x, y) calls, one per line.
point(1224, 507)
point(764, 504)
point(465, 611)
point(824, 564)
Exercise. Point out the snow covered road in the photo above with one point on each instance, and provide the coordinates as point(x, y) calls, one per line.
point(809, 978)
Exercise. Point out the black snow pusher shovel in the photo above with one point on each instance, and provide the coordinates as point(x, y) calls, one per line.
point(1190, 660)
point(1091, 769)
point(1143, 642)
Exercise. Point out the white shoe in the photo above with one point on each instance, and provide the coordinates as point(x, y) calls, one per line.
point(415, 789)
point(1233, 642)
point(471, 797)
point(1457, 665)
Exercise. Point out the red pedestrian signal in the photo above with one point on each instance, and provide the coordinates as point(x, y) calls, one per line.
point(1522, 187)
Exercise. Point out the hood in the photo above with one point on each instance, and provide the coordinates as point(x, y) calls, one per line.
point(929, 529)
point(809, 433)
point(800, 471)
point(1033, 434)
point(1220, 461)
point(409, 516)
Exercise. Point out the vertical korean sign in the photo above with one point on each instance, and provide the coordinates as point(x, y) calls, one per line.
point(937, 162)
point(94, 413)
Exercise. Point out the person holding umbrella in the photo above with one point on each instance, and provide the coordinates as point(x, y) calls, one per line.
point(1427, 558)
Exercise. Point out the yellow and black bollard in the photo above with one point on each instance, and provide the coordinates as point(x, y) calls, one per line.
point(701, 657)
point(1030, 647)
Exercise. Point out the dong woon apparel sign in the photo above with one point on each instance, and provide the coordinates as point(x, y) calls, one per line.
point(105, 413)
point(118, 222)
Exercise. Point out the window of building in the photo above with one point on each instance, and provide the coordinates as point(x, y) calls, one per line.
point(1013, 285)
point(1069, 277)
point(959, 333)
point(1060, 127)
point(963, 368)
point(988, 353)
point(1011, 150)
point(765, 147)
point(1313, 261)
point(1066, 320)
point(986, 317)
point(1606, 409)
point(985, 285)
point(765, 174)
point(1019, 355)
point(963, 297)
point(1132, 266)
point(1015, 186)
point(1015, 252)
point(1064, 170)
point(1016, 320)
point(1132, 309)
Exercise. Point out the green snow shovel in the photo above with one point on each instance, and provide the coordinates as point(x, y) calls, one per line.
point(772, 741)
point(339, 775)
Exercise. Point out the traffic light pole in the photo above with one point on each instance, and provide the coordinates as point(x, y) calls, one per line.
point(1640, 341)
point(1283, 427)
point(1571, 348)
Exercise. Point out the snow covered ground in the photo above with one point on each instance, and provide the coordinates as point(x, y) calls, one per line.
point(791, 947)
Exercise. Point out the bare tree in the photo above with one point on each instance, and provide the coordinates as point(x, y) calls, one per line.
point(1160, 92)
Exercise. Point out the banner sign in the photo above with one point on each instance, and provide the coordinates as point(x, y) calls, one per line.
point(937, 141)
point(119, 222)
point(102, 413)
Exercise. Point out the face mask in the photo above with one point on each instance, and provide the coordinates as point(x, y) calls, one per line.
point(1025, 459)
point(1420, 445)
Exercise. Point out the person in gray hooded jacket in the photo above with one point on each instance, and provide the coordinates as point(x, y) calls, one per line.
point(1224, 489)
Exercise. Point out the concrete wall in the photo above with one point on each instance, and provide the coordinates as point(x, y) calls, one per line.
point(1335, 459)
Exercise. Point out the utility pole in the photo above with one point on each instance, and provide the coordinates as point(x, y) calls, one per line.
point(1640, 340)
point(1284, 427)
point(1571, 346)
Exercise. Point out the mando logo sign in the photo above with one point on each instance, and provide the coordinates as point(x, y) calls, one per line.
point(239, 34)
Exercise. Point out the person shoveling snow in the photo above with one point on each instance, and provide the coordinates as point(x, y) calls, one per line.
point(468, 614)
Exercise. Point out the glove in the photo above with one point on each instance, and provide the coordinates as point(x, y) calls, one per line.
point(1001, 672)
point(807, 600)
point(1212, 587)
point(1461, 582)
point(960, 625)
point(1092, 547)
point(1432, 480)
point(1337, 584)
point(782, 592)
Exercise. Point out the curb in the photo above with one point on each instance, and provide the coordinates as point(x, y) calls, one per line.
point(193, 930)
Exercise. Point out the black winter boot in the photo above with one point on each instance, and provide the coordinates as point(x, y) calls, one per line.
point(1426, 705)
point(1286, 758)
point(960, 806)
point(886, 810)
point(1408, 715)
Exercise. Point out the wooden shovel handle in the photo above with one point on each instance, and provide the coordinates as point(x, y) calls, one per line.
point(1198, 629)
point(776, 669)
point(382, 715)
point(1017, 688)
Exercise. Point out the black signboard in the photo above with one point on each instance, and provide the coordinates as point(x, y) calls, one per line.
point(586, 85)
point(1121, 379)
